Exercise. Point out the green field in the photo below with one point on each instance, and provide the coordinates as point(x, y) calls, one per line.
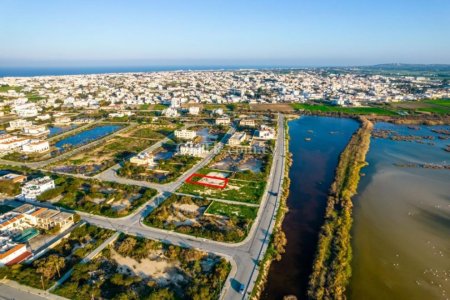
point(440, 102)
point(5, 88)
point(340, 109)
point(232, 210)
point(236, 190)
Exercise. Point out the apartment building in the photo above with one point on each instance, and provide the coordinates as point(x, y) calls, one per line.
point(185, 134)
point(35, 187)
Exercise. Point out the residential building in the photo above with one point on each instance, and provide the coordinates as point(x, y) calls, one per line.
point(237, 138)
point(37, 186)
point(223, 121)
point(191, 149)
point(185, 134)
point(266, 133)
point(194, 110)
point(170, 112)
point(36, 146)
point(11, 142)
point(35, 130)
point(18, 124)
point(143, 159)
point(247, 123)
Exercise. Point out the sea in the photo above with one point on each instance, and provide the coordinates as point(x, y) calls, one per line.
point(53, 71)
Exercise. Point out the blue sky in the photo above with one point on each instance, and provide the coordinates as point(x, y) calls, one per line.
point(245, 32)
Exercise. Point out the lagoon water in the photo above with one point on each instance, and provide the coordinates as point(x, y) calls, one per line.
point(401, 230)
point(87, 135)
point(311, 174)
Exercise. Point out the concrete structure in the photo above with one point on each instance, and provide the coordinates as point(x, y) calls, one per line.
point(35, 130)
point(191, 149)
point(37, 186)
point(265, 133)
point(143, 159)
point(237, 138)
point(247, 123)
point(36, 146)
point(223, 121)
point(170, 112)
point(194, 110)
point(11, 142)
point(13, 178)
point(18, 124)
point(185, 134)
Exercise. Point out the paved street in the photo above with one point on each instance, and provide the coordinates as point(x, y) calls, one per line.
point(244, 255)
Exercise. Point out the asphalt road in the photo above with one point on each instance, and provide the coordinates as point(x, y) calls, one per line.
point(244, 256)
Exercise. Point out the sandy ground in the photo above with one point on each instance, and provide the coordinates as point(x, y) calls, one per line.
point(158, 267)
point(212, 180)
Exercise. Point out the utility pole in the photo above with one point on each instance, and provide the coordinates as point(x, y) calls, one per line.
point(42, 282)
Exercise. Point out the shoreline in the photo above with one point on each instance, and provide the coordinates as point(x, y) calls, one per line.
point(278, 239)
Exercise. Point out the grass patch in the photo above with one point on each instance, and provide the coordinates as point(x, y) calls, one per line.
point(97, 197)
point(326, 108)
point(241, 191)
point(186, 215)
point(232, 210)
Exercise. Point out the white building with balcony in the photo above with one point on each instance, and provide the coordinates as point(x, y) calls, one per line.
point(191, 149)
point(185, 134)
point(35, 187)
point(36, 146)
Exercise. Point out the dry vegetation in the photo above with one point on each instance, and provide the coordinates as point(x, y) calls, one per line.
point(331, 268)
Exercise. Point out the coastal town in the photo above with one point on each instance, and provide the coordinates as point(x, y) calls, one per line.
point(158, 176)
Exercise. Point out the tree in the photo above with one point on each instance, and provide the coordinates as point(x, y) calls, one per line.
point(50, 266)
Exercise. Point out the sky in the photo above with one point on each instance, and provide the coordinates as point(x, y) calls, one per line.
point(228, 32)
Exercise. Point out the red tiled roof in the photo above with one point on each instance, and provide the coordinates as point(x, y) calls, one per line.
point(19, 258)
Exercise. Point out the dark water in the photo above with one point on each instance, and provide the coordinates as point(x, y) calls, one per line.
point(88, 135)
point(54, 130)
point(401, 230)
point(311, 174)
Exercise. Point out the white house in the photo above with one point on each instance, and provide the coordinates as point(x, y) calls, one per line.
point(192, 149)
point(223, 121)
point(185, 134)
point(170, 112)
point(12, 253)
point(18, 124)
point(26, 110)
point(35, 187)
point(143, 159)
point(11, 142)
point(63, 120)
point(36, 146)
point(266, 133)
point(247, 123)
point(218, 111)
point(194, 110)
point(35, 130)
point(237, 138)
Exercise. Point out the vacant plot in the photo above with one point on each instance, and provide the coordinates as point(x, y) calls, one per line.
point(102, 157)
point(236, 190)
point(167, 168)
point(137, 268)
point(97, 197)
point(186, 215)
point(232, 210)
point(43, 272)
